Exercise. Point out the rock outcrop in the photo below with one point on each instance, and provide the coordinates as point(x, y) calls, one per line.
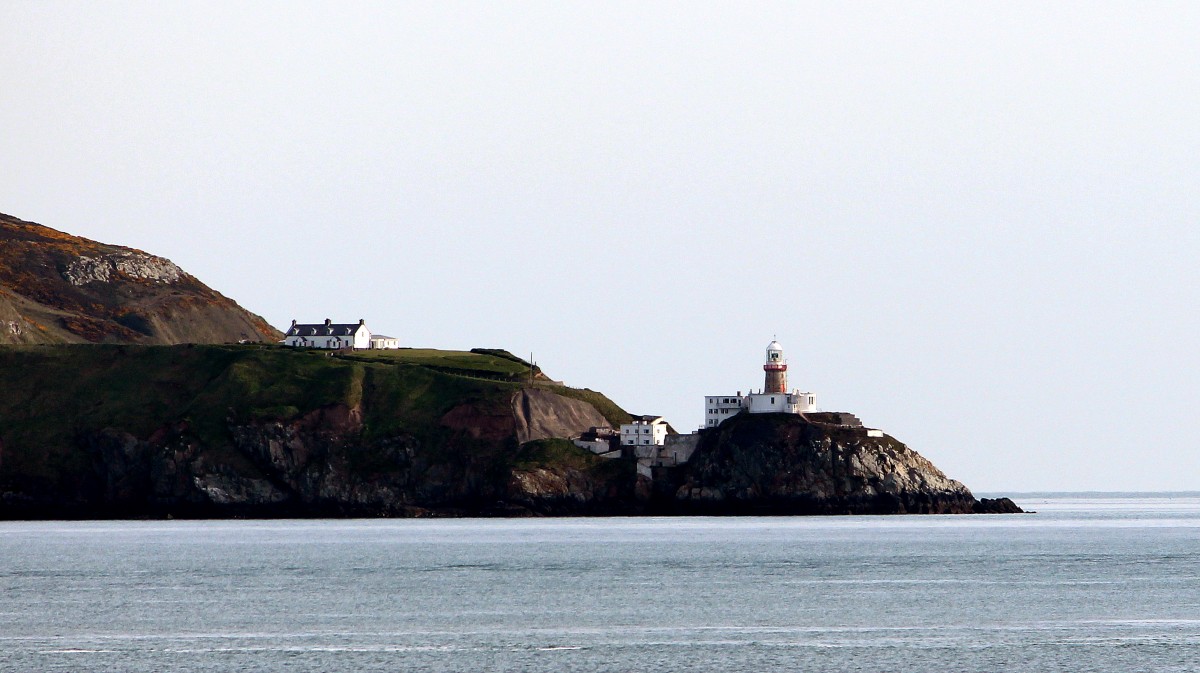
point(541, 414)
point(58, 288)
point(126, 263)
point(788, 464)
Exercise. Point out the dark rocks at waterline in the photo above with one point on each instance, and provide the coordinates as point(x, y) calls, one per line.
point(997, 506)
point(782, 464)
point(322, 464)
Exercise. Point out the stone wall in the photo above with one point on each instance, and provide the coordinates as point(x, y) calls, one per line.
point(677, 449)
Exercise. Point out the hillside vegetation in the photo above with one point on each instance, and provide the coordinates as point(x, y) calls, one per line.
point(59, 288)
point(435, 427)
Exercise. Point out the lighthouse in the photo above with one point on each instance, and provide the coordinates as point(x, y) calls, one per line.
point(774, 398)
point(776, 369)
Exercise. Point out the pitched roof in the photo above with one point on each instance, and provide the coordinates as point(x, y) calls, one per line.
point(326, 328)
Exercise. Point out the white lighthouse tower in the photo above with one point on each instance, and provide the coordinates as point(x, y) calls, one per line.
point(776, 369)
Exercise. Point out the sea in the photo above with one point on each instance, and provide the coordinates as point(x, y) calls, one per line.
point(1090, 582)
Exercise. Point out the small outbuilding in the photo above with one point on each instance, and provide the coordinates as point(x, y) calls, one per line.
point(384, 341)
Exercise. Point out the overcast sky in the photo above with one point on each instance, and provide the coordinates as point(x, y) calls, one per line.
point(972, 224)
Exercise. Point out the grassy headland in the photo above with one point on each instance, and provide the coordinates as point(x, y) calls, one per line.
point(58, 397)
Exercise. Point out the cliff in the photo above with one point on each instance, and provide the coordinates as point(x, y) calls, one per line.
point(94, 431)
point(215, 431)
point(58, 288)
point(788, 464)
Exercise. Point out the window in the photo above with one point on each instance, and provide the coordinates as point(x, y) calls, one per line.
point(645, 441)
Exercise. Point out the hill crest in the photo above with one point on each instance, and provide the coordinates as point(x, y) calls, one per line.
point(59, 288)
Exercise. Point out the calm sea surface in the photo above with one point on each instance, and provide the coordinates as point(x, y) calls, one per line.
point(1089, 583)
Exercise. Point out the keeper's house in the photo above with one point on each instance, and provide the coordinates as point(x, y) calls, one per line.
point(331, 335)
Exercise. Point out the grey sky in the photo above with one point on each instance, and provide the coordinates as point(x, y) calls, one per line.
point(972, 224)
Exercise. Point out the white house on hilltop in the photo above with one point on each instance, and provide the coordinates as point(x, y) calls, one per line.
point(331, 335)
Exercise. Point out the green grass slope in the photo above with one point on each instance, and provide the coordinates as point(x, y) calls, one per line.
point(56, 396)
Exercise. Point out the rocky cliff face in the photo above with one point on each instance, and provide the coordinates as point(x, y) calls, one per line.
point(320, 464)
point(785, 464)
point(58, 288)
point(199, 434)
point(215, 431)
point(541, 414)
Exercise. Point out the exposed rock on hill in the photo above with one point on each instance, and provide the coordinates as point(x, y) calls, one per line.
point(58, 288)
point(785, 464)
point(532, 413)
point(541, 414)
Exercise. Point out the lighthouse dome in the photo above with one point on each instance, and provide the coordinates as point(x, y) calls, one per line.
point(774, 352)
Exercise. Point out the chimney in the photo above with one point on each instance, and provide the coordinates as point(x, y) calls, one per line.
point(328, 322)
point(362, 321)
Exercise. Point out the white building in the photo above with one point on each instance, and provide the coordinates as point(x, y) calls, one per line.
point(644, 431)
point(773, 398)
point(328, 335)
point(794, 402)
point(717, 408)
point(384, 341)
